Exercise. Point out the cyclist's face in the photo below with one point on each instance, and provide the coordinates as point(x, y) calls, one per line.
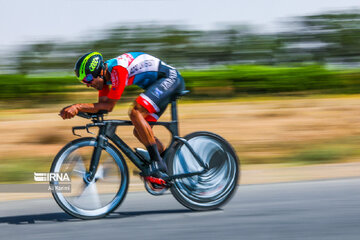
point(97, 83)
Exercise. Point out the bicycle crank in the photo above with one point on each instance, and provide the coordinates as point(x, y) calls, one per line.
point(155, 186)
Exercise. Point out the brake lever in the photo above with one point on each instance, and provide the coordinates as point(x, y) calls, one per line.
point(87, 129)
point(77, 128)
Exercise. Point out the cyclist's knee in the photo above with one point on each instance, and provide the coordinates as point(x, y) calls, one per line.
point(137, 109)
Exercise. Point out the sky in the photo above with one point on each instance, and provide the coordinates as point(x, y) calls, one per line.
point(26, 21)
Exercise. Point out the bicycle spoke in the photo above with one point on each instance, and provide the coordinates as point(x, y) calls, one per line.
point(79, 168)
point(104, 193)
point(89, 197)
point(100, 172)
point(80, 173)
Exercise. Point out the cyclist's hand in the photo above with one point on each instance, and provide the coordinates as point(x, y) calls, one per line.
point(69, 112)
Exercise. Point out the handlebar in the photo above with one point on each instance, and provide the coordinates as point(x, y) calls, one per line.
point(97, 119)
point(86, 127)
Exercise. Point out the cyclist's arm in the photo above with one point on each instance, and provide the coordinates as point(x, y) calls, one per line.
point(104, 103)
point(107, 97)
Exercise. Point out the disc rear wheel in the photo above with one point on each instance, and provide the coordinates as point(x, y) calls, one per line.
point(215, 186)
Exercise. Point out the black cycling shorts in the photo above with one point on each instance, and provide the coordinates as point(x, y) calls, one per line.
point(158, 95)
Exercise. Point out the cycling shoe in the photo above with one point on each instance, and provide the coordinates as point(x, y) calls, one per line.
point(158, 169)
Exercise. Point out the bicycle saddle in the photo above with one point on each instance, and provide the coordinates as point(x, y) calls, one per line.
point(179, 95)
point(183, 93)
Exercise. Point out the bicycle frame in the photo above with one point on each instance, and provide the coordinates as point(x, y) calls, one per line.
point(107, 129)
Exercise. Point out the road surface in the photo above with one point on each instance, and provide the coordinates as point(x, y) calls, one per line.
point(304, 210)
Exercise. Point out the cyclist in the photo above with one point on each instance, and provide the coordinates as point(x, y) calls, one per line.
point(160, 81)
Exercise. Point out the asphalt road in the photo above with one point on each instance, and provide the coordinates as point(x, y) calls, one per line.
point(304, 210)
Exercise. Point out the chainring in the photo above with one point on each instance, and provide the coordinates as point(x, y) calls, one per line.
point(155, 186)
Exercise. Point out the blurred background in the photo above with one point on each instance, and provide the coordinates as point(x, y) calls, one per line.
point(279, 80)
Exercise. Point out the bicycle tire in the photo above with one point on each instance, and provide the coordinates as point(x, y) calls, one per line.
point(194, 196)
point(119, 196)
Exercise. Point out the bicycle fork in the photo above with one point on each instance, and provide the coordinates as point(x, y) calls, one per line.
point(101, 143)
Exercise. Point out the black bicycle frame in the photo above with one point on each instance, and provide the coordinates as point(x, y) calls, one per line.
point(107, 129)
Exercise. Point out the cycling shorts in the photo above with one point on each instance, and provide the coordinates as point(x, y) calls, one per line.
point(158, 95)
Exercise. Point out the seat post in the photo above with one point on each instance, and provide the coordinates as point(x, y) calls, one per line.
point(174, 116)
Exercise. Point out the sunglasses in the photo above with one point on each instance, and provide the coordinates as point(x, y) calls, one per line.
point(88, 78)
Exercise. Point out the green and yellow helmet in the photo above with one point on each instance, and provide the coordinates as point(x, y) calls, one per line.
point(89, 66)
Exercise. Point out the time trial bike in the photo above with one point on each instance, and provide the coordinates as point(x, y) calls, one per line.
point(203, 168)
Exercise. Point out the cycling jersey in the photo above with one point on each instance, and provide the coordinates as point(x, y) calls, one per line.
point(130, 68)
point(161, 81)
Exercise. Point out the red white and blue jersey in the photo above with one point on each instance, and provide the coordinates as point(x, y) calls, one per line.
point(130, 68)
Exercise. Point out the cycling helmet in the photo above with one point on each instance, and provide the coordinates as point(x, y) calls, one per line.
point(89, 66)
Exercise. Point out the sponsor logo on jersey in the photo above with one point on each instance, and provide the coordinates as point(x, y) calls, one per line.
point(157, 92)
point(172, 74)
point(114, 78)
point(167, 83)
point(141, 65)
point(128, 57)
point(125, 60)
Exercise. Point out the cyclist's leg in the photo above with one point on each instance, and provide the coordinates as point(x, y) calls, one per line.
point(148, 107)
point(159, 144)
point(138, 115)
point(144, 132)
point(154, 100)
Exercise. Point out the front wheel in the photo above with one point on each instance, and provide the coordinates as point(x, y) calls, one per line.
point(95, 199)
point(217, 185)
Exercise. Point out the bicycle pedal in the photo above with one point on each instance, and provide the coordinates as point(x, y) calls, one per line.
point(155, 180)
